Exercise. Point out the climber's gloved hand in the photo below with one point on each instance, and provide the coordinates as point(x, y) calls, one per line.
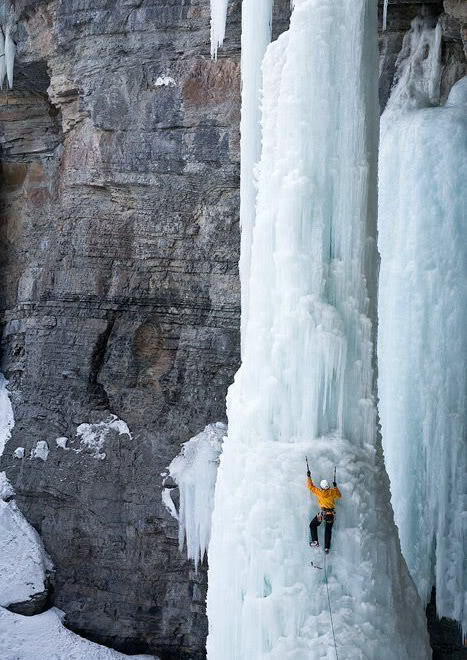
point(334, 484)
point(308, 474)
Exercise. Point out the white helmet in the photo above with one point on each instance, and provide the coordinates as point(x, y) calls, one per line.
point(324, 484)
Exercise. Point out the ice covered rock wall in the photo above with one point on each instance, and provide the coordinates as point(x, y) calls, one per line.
point(422, 317)
point(306, 384)
point(118, 260)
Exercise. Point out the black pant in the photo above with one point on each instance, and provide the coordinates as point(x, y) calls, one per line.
point(316, 522)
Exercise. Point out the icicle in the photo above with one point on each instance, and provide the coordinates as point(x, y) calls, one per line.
point(2, 58)
point(385, 14)
point(10, 50)
point(195, 470)
point(218, 21)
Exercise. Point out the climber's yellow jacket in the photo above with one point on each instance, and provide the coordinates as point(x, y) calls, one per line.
point(326, 498)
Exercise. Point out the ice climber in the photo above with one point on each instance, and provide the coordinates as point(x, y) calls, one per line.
point(327, 498)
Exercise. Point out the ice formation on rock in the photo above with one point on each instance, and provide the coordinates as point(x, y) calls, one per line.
point(218, 19)
point(306, 384)
point(194, 470)
point(385, 14)
point(256, 36)
point(7, 44)
point(422, 318)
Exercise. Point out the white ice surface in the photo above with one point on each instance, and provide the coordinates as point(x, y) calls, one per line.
point(423, 320)
point(306, 384)
point(256, 36)
point(10, 52)
point(44, 637)
point(194, 470)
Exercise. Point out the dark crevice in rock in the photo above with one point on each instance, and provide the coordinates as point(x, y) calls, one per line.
point(98, 394)
point(445, 634)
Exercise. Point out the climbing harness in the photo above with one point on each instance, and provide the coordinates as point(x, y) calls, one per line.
point(324, 514)
point(329, 606)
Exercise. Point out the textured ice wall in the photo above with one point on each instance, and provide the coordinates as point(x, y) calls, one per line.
point(306, 384)
point(423, 317)
point(256, 36)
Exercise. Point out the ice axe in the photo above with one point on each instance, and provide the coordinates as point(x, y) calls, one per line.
point(307, 466)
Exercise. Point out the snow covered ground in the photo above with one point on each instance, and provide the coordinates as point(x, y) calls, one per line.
point(44, 637)
point(423, 319)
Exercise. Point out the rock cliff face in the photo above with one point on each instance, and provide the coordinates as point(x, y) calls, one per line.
point(120, 292)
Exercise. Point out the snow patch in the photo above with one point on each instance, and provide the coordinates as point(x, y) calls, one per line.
point(165, 81)
point(19, 452)
point(92, 437)
point(41, 450)
point(194, 470)
point(6, 489)
point(62, 443)
point(23, 560)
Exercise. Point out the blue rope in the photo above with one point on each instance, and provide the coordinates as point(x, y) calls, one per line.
point(329, 605)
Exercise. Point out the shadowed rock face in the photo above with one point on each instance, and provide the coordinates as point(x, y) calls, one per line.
point(120, 292)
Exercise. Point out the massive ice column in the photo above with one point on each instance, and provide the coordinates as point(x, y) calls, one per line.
point(423, 318)
point(307, 381)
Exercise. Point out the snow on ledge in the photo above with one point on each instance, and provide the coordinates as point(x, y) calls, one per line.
point(165, 81)
point(194, 470)
point(41, 450)
point(93, 436)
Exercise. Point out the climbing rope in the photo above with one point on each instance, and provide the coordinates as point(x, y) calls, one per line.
point(329, 605)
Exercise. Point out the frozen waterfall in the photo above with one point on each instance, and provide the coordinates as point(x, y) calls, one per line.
point(422, 318)
point(307, 381)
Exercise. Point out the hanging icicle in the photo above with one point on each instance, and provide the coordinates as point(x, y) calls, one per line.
point(7, 43)
point(218, 20)
point(385, 14)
